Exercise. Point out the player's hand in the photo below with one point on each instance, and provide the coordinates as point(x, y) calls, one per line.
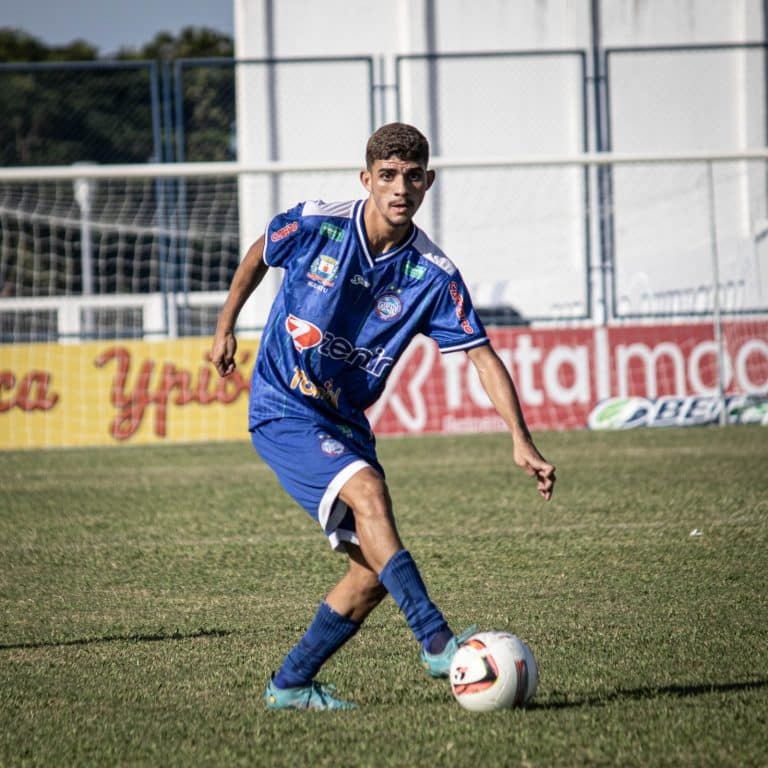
point(223, 353)
point(536, 466)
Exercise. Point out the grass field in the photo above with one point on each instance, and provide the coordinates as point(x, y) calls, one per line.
point(147, 593)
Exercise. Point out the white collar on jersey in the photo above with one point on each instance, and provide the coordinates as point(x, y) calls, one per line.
point(363, 238)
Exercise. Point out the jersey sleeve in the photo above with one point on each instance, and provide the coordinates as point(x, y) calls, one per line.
point(282, 235)
point(454, 324)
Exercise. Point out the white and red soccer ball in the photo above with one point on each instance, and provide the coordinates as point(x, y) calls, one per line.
point(493, 670)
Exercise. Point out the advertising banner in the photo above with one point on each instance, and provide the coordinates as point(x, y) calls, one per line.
point(120, 392)
point(563, 375)
point(140, 392)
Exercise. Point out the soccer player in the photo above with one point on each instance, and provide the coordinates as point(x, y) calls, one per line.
point(360, 281)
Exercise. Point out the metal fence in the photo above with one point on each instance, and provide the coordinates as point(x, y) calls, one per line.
point(59, 113)
point(482, 104)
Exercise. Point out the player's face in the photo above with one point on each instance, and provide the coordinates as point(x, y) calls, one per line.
point(397, 188)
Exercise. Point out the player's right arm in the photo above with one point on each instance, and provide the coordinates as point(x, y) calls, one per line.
point(247, 277)
point(501, 390)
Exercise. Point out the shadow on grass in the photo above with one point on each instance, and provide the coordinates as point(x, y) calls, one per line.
point(153, 637)
point(639, 694)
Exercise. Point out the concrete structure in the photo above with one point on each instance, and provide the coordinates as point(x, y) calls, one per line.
point(536, 77)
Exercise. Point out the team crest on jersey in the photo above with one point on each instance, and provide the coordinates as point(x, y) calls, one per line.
point(331, 447)
point(305, 335)
point(388, 307)
point(324, 270)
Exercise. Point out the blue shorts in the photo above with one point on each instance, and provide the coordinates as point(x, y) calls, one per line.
point(313, 462)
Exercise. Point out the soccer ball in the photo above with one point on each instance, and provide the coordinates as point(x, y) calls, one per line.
point(493, 670)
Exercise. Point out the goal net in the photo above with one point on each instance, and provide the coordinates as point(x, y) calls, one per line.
point(84, 257)
point(603, 279)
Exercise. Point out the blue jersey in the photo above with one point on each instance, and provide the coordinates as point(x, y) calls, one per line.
point(343, 317)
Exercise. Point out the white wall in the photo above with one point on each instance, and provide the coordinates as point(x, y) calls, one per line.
point(519, 236)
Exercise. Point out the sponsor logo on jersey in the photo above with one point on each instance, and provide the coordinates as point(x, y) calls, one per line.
point(458, 300)
point(388, 307)
point(416, 271)
point(283, 232)
point(361, 281)
point(324, 270)
point(331, 231)
point(305, 335)
point(308, 388)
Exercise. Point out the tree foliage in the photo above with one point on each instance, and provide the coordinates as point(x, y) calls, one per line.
point(65, 104)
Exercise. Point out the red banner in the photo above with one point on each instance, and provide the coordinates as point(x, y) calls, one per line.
point(562, 374)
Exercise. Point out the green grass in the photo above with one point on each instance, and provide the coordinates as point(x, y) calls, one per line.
point(147, 593)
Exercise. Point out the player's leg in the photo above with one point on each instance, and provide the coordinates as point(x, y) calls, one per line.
point(359, 591)
point(367, 495)
point(337, 620)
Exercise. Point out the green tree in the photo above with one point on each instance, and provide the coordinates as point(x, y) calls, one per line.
point(87, 108)
point(105, 114)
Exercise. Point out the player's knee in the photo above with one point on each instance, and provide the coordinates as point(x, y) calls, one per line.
point(367, 495)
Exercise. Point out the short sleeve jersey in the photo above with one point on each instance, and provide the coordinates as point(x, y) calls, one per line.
point(342, 316)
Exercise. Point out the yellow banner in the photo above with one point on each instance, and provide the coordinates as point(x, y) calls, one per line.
point(120, 392)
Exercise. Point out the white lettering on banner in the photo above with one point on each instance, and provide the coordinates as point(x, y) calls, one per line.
point(474, 386)
point(650, 358)
point(488, 423)
point(453, 368)
point(753, 346)
point(694, 367)
point(453, 365)
point(525, 356)
point(416, 421)
point(475, 389)
point(576, 358)
point(562, 374)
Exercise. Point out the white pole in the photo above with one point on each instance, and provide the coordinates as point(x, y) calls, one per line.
point(716, 295)
point(82, 189)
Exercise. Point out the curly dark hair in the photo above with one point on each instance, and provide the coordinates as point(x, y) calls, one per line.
point(399, 140)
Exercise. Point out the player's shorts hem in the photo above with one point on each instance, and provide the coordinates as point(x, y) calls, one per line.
point(338, 539)
point(332, 511)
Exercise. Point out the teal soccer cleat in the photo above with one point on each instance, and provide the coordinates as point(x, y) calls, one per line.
point(439, 664)
point(311, 696)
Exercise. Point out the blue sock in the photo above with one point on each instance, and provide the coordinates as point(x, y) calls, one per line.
point(403, 581)
point(325, 635)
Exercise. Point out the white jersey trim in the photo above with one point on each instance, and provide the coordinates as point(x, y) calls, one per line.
point(266, 244)
point(331, 510)
point(432, 253)
point(342, 210)
point(363, 239)
point(467, 345)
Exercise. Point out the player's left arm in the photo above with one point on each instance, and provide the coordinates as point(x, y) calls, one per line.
point(501, 390)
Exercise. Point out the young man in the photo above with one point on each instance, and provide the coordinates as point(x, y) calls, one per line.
point(361, 280)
